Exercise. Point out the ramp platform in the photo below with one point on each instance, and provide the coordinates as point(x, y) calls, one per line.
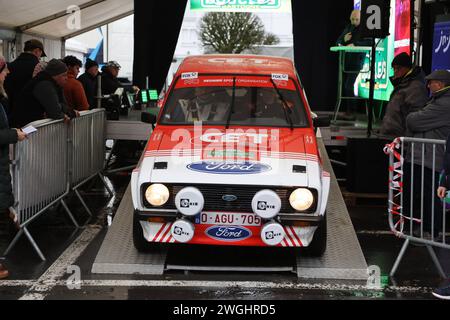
point(343, 259)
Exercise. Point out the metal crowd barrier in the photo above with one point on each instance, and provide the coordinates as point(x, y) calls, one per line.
point(53, 162)
point(87, 154)
point(409, 212)
point(40, 176)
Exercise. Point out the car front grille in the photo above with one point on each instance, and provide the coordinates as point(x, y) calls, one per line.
point(213, 195)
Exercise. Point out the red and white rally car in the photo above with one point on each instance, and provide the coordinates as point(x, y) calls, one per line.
point(233, 160)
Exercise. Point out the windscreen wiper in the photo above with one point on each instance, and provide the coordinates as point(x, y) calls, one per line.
point(233, 102)
point(287, 110)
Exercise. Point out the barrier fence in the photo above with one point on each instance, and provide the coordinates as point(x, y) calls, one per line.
point(416, 214)
point(87, 154)
point(52, 162)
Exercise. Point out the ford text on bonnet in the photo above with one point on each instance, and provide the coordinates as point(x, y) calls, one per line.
point(233, 160)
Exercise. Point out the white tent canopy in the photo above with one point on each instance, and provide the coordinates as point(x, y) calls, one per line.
point(49, 18)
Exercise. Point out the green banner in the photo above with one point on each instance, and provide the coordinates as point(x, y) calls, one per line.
point(241, 5)
point(383, 69)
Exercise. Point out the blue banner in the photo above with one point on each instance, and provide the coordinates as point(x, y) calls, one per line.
point(441, 46)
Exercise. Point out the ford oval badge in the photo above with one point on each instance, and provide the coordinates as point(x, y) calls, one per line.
point(228, 233)
point(229, 168)
point(229, 198)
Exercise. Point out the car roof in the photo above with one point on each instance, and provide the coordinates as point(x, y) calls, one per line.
point(237, 64)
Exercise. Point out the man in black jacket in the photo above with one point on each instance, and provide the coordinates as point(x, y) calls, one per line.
point(89, 82)
point(43, 97)
point(22, 69)
point(354, 61)
point(7, 136)
point(409, 95)
point(110, 83)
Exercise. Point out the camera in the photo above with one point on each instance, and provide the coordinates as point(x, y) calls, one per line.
point(114, 106)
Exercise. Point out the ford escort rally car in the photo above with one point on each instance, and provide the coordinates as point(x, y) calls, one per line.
point(232, 160)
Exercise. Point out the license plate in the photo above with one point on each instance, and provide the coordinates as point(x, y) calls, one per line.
point(229, 219)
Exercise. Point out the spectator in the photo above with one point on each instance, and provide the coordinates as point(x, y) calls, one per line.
point(7, 136)
point(410, 94)
point(110, 82)
point(354, 61)
point(22, 69)
point(89, 82)
point(43, 97)
point(444, 186)
point(432, 122)
point(73, 89)
point(109, 75)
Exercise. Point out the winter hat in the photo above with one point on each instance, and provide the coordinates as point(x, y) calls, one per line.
point(90, 63)
point(56, 67)
point(403, 59)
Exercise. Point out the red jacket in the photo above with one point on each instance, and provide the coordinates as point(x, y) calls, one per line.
point(75, 95)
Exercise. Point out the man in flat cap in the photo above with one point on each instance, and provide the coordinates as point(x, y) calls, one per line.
point(43, 97)
point(431, 122)
point(21, 69)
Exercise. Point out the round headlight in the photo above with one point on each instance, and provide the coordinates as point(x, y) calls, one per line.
point(301, 199)
point(157, 195)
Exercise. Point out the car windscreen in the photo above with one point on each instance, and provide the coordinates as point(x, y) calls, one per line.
point(239, 101)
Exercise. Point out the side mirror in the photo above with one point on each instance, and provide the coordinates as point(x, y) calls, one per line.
point(322, 121)
point(147, 117)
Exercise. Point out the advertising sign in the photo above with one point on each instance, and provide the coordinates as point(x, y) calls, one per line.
point(383, 69)
point(241, 5)
point(441, 45)
point(383, 86)
point(402, 27)
point(398, 41)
